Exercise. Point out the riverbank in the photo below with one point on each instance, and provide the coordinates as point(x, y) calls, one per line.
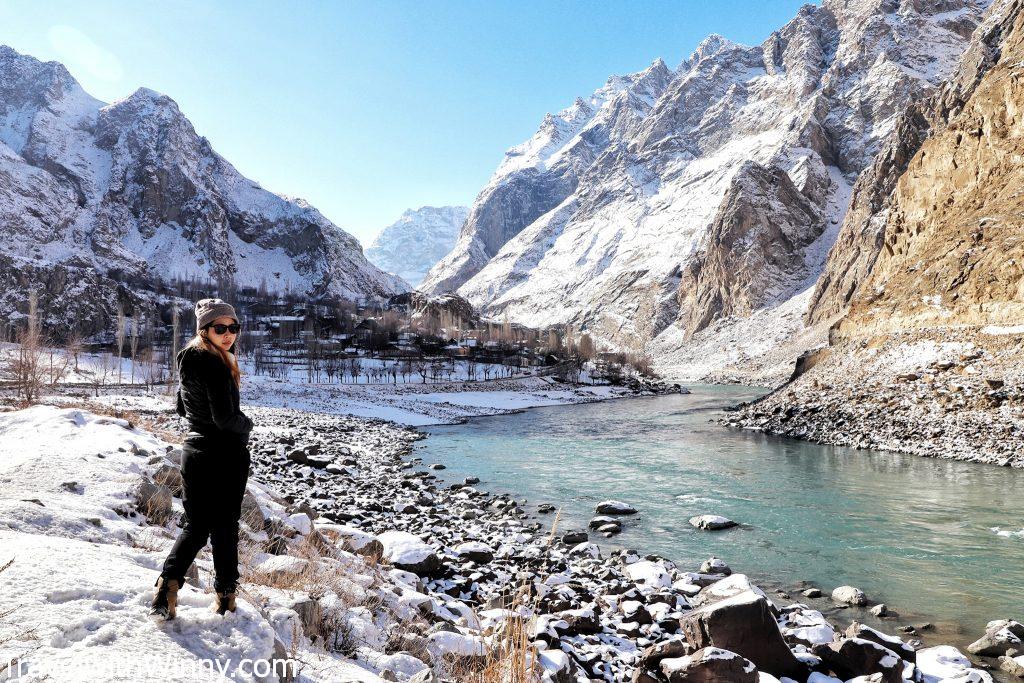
point(953, 394)
point(616, 614)
point(460, 569)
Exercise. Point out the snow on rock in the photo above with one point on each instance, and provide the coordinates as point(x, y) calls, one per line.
point(711, 522)
point(649, 573)
point(945, 664)
point(447, 642)
point(408, 552)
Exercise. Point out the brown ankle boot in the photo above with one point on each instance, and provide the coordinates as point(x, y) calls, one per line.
point(165, 602)
point(225, 602)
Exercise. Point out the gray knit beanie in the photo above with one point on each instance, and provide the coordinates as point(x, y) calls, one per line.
point(208, 310)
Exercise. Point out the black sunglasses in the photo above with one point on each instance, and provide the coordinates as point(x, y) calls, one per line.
point(233, 328)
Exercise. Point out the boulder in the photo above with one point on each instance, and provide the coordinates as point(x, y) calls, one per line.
point(709, 665)
point(649, 664)
point(615, 507)
point(848, 595)
point(579, 622)
point(169, 476)
point(1012, 665)
point(713, 565)
point(474, 551)
point(153, 500)
point(744, 624)
point(858, 630)
point(575, 537)
point(711, 522)
point(408, 552)
point(297, 455)
point(252, 514)
point(319, 461)
point(602, 520)
point(728, 587)
point(852, 657)
point(1000, 636)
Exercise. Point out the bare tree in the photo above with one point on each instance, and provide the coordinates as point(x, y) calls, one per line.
point(134, 343)
point(119, 337)
point(172, 362)
point(26, 368)
point(586, 348)
point(73, 346)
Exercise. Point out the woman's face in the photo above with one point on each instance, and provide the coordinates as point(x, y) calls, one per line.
point(225, 340)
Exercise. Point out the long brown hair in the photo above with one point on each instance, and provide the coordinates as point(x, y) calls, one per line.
point(201, 342)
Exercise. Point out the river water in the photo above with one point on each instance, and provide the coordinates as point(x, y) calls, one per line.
point(912, 532)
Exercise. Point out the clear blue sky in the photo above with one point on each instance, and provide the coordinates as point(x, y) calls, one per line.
point(366, 109)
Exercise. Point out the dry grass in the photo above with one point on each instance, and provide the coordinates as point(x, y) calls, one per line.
point(156, 427)
point(11, 633)
point(511, 657)
point(324, 572)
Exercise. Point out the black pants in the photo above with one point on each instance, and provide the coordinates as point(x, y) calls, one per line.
point(214, 472)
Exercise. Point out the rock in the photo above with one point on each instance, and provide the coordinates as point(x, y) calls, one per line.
point(648, 667)
point(852, 657)
point(469, 481)
point(811, 593)
point(319, 461)
point(310, 615)
point(425, 676)
point(575, 537)
point(297, 455)
point(602, 521)
point(904, 651)
point(282, 663)
point(1012, 665)
point(743, 624)
point(579, 622)
point(252, 514)
point(436, 466)
point(474, 551)
point(945, 662)
point(709, 665)
point(848, 595)
point(153, 500)
point(408, 552)
point(999, 637)
point(169, 476)
point(558, 667)
point(615, 507)
point(880, 610)
point(713, 565)
point(282, 568)
point(722, 589)
point(711, 522)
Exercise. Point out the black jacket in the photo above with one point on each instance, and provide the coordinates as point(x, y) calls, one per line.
point(208, 397)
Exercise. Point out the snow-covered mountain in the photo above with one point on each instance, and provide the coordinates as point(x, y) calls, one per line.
point(421, 237)
point(95, 194)
point(690, 211)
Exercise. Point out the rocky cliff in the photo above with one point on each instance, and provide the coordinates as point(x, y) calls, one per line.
point(927, 293)
point(420, 238)
point(129, 194)
point(659, 230)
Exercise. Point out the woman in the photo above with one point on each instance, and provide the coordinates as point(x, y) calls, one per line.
point(215, 459)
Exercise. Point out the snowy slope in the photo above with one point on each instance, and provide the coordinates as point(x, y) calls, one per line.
point(129, 191)
point(676, 222)
point(421, 237)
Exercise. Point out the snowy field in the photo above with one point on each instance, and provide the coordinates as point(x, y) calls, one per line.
point(83, 564)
